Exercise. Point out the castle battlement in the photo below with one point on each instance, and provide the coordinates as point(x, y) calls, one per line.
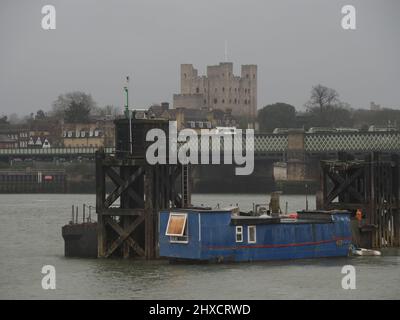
point(219, 89)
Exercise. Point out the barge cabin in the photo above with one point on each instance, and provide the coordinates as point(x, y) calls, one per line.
point(218, 235)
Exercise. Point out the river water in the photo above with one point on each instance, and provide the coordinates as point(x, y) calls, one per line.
point(30, 237)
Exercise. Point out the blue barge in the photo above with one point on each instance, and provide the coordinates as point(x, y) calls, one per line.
point(227, 235)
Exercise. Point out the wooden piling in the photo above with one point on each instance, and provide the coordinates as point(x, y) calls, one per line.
point(130, 229)
point(371, 185)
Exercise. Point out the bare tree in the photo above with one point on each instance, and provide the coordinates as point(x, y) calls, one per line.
point(322, 97)
point(108, 110)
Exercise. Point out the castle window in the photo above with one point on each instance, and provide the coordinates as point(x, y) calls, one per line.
point(185, 75)
point(223, 89)
point(247, 76)
point(254, 76)
point(215, 101)
point(235, 89)
point(230, 89)
point(235, 101)
point(197, 90)
point(223, 100)
point(205, 101)
point(248, 90)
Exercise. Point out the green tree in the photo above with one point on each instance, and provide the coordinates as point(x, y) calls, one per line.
point(277, 115)
point(74, 107)
point(333, 116)
point(4, 120)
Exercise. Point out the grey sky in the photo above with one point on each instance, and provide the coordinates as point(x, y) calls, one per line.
point(296, 44)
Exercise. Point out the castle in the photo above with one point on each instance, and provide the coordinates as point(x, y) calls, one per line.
point(219, 89)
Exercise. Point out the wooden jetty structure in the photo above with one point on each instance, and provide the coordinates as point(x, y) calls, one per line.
point(127, 215)
point(80, 236)
point(370, 189)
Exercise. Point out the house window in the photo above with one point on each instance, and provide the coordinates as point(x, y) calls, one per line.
point(177, 228)
point(215, 101)
point(239, 234)
point(251, 234)
point(197, 90)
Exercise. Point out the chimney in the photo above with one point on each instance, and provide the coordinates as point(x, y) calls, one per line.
point(164, 106)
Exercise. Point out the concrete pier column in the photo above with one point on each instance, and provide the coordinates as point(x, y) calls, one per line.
point(295, 155)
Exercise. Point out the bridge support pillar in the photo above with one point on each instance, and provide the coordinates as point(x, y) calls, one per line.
point(295, 155)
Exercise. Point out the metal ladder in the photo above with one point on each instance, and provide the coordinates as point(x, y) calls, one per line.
point(186, 198)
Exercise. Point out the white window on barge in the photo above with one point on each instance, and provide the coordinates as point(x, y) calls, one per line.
point(251, 234)
point(239, 233)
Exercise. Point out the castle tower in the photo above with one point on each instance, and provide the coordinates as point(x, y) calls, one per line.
point(219, 89)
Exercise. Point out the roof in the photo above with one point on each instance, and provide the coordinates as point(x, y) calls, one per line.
point(5, 139)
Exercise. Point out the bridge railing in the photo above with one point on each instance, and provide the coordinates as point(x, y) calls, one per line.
point(52, 151)
point(263, 144)
point(355, 141)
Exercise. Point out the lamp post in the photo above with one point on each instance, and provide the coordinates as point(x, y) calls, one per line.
point(128, 114)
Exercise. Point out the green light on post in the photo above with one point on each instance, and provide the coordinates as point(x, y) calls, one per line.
point(127, 102)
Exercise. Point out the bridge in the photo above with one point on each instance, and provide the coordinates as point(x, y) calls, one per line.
point(265, 145)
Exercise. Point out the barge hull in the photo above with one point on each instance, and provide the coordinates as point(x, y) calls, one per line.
point(211, 236)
